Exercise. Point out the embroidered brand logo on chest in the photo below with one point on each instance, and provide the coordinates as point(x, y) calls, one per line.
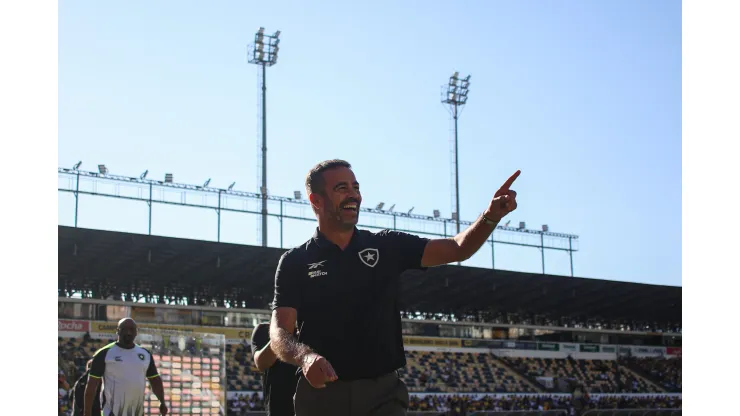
point(314, 271)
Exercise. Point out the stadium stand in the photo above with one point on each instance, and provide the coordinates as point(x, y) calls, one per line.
point(597, 376)
point(428, 372)
point(207, 273)
point(454, 364)
point(461, 404)
point(435, 372)
point(243, 403)
point(75, 352)
point(65, 401)
point(447, 372)
point(241, 373)
point(663, 372)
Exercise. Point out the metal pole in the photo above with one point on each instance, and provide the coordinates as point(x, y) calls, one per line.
point(457, 181)
point(77, 197)
point(150, 208)
point(394, 222)
point(570, 251)
point(264, 155)
point(542, 247)
point(493, 254)
point(457, 177)
point(281, 223)
point(218, 213)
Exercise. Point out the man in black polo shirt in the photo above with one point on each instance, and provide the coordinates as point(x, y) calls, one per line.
point(342, 288)
point(278, 378)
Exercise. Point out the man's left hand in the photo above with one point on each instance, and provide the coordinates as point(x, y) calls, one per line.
point(504, 200)
point(162, 409)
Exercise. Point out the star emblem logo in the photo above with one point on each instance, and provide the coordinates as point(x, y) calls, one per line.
point(369, 257)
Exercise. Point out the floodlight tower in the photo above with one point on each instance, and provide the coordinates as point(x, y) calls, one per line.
point(455, 95)
point(264, 52)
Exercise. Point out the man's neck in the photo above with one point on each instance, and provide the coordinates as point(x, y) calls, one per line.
point(340, 237)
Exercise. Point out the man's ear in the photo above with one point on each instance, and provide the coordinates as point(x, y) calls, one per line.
point(315, 200)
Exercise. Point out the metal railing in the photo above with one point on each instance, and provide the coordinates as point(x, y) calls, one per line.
point(292, 211)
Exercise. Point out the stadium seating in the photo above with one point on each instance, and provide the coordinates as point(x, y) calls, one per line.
point(245, 402)
point(425, 372)
point(241, 373)
point(665, 372)
point(449, 373)
point(457, 404)
point(74, 353)
point(460, 372)
point(73, 356)
point(597, 376)
point(444, 403)
point(440, 372)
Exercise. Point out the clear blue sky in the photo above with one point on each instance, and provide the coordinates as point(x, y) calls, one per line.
point(583, 96)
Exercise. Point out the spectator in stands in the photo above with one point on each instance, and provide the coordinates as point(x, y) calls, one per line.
point(63, 393)
point(279, 378)
point(580, 399)
point(78, 395)
point(62, 383)
point(343, 284)
point(123, 368)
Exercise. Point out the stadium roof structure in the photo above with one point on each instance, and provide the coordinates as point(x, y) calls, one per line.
point(102, 263)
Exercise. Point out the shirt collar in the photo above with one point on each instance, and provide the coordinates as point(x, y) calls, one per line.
point(323, 243)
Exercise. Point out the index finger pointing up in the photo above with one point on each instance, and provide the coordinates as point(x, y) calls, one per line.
point(511, 180)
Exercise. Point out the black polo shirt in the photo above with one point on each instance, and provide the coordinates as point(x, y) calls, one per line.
point(347, 300)
point(279, 381)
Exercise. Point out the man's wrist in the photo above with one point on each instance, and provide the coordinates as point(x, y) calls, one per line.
point(306, 357)
point(490, 219)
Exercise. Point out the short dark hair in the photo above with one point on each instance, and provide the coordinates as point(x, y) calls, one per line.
point(315, 183)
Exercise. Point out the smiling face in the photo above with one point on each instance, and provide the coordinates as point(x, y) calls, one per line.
point(335, 196)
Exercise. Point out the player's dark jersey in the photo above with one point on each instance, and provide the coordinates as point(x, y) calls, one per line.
point(78, 397)
point(279, 381)
point(124, 372)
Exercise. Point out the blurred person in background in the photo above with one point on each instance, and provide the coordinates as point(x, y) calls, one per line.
point(279, 379)
point(78, 394)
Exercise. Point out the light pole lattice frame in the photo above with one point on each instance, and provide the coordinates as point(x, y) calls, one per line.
point(264, 52)
point(455, 96)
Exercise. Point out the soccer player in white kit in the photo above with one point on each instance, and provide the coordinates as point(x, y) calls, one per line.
point(123, 367)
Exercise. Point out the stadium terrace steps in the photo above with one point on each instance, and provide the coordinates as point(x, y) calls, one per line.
point(536, 386)
point(644, 379)
point(665, 372)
